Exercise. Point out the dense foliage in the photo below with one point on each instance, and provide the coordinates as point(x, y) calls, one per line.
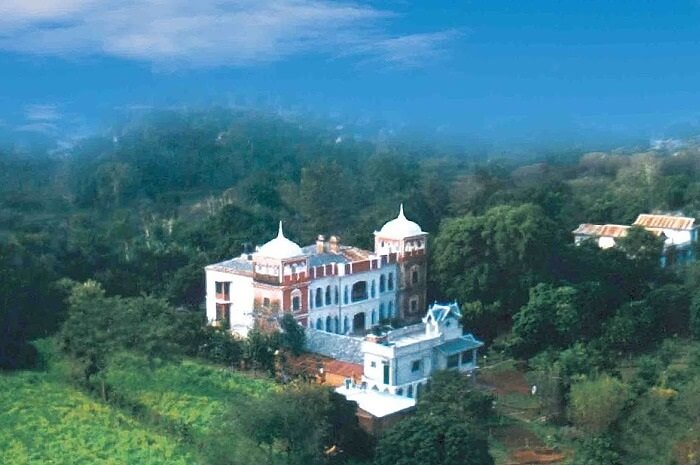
point(104, 248)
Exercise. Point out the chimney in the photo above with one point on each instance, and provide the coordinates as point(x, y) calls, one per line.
point(334, 244)
point(320, 244)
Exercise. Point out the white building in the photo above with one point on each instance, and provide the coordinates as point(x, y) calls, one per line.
point(326, 285)
point(678, 233)
point(401, 361)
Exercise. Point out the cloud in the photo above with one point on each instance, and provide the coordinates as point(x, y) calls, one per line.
point(211, 32)
point(41, 113)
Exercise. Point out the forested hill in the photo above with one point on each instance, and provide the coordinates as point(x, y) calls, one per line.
point(143, 207)
point(135, 214)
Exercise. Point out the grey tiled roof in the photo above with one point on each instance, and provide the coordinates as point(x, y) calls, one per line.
point(236, 264)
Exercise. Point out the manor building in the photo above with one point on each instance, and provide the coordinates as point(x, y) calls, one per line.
point(327, 286)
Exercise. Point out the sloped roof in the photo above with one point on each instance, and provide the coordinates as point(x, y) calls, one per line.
point(588, 229)
point(439, 312)
point(339, 367)
point(239, 265)
point(613, 230)
point(665, 221)
point(455, 346)
point(598, 230)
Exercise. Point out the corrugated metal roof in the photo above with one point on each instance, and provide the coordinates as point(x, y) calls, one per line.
point(614, 230)
point(598, 230)
point(587, 229)
point(664, 221)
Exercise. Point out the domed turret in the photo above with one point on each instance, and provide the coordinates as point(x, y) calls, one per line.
point(280, 247)
point(400, 227)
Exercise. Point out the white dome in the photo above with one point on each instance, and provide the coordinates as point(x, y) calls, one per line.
point(280, 247)
point(400, 227)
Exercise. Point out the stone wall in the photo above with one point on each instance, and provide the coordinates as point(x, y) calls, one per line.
point(345, 348)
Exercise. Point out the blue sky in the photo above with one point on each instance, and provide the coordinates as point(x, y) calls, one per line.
point(496, 68)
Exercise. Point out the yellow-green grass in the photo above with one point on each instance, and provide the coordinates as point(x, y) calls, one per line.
point(46, 421)
point(189, 392)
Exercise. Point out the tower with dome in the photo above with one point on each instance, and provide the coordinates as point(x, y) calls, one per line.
point(327, 285)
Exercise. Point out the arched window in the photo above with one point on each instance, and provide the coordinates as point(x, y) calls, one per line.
point(414, 275)
point(311, 298)
point(319, 324)
point(409, 392)
point(382, 283)
point(381, 311)
point(346, 325)
point(336, 325)
point(296, 301)
point(391, 309)
point(373, 290)
point(346, 295)
point(374, 317)
point(328, 324)
point(319, 297)
point(390, 282)
point(359, 291)
point(335, 296)
point(328, 295)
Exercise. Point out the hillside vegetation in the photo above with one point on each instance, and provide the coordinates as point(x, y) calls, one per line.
point(102, 250)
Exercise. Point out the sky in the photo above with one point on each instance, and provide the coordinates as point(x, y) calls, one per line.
point(516, 70)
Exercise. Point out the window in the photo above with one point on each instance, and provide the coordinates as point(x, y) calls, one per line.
point(328, 324)
point(373, 319)
point(345, 295)
point(414, 305)
point(223, 312)
point(319, 297)
point(382, 283)
point(452, 361)
point(373, 290)
point(359, 291)
point(311, 298)
point(414, 276)
point(266, 302)
point(381, 312)
point(296, 300)
point(399, 392)
point(373, 364)
point(409, 392)
point(335, 295)
point(467, 357)
point(328, 295)
point(391, 309)
point(390, 282)
point(222, 290)
point(415, 366)
point(319, 324)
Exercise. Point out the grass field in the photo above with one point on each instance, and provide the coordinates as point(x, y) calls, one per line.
point(46, 420)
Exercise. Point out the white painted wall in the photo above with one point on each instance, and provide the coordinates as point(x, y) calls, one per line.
point(241, 294)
